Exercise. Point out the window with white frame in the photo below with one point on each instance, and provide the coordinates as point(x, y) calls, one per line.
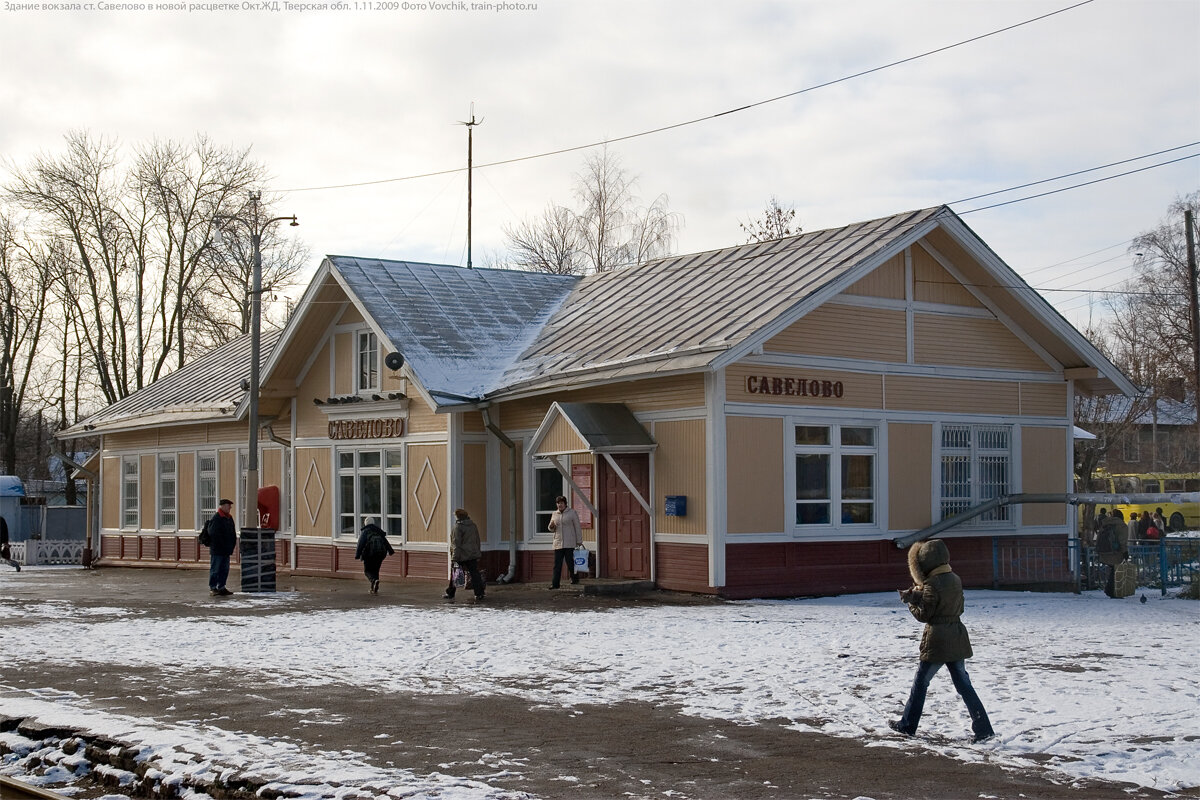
point(206, 486)
point(976, 466)
point(370, 484)
point(835, 468)
point(368, 361)
point(166, 492)
point(129, 492)
point(548, 484)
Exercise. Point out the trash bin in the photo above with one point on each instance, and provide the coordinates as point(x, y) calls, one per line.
point(257, 547)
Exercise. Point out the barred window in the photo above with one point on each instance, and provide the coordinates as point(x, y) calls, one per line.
point(129, 492)
point(976, 467)
point(166, 492)
point(207, 488)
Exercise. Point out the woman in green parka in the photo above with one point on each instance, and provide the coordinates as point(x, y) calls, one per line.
point(936, 598)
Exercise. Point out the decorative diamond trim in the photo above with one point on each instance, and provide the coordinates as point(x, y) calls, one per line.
point(427, 470)
point(319, 494)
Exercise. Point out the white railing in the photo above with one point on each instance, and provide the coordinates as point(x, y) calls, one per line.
point(51, 551)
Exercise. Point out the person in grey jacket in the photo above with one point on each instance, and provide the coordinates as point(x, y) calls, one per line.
point(936, 598)
point(465, 551)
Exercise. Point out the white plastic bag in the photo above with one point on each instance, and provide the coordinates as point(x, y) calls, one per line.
point(581, 560)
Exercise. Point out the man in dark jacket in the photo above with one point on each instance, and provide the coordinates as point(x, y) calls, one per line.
point(222, 531)
point(936, 598)
point(373, 548)
point(465, 551)
point(5, 550)
point(1112, 547)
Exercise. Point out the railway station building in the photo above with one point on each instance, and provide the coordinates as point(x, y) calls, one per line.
point(762, 420)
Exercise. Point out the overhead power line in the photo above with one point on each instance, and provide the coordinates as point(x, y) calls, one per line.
point(708, 117)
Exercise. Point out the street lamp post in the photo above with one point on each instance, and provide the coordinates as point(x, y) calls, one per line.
point(257, 228)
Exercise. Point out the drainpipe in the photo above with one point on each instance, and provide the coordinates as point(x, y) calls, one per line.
point(512, 500)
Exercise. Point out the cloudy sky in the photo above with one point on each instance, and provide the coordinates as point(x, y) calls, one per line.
point(373, 92)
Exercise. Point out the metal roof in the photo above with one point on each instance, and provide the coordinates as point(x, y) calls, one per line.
point(458, 329)
point(208, 388)
point(607, 426)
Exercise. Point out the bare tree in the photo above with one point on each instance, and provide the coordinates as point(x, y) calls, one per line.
point(776, 222)
point(138, 272)
point(551, 243)
point(26, 277)
point(608, 229)
point(1158, 296)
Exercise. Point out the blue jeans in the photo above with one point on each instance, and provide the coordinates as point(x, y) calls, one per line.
point(980, 724)
point(218, 570)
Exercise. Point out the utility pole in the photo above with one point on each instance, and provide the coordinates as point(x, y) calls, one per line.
point(470, 130)
point(1189, 230)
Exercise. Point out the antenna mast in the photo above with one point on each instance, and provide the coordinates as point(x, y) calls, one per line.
point(470, 130)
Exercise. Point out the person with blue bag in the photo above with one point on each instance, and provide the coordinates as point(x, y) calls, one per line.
point(465, 551)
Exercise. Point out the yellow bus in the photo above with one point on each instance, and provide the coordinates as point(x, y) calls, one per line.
point(1179, 516)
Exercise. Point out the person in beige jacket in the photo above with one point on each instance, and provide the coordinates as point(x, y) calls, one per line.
point(568, 534)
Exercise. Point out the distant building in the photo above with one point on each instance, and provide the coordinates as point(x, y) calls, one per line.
point(1162, 438)
point(762, 420)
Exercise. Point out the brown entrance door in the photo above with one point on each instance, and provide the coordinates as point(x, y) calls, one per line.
point(626, 524)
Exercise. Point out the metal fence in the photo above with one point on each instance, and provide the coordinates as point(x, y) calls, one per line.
point(1065, 565)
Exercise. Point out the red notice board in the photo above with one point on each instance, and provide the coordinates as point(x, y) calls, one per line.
point(582, 475)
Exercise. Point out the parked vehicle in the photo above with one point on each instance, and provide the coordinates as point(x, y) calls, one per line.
point(1179, 516)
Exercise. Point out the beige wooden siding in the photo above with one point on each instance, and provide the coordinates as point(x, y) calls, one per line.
point(272, 468)
point(311, 422)
point(655, 394)
point(561, 438)
point(345, 362)
point(427, 493)
point(185, 490)
point(392, 380)
point(506, 491)
point(228, 485)
point(910, 481)
point(907, 393)
point(110, 499)
point(679, 469)
point(935, 285)
point(1043, 458)
point(315, 492)
point(1044, 400)
point(876, 334)
point(754, 474)
point(472, 422)
point(970, 342)
point(350, 316)
point(859, 390)
point(423, 419)
point(475, 485)
point(229, 433)
point(132, 440)
point(885, 281)
point(185, 435)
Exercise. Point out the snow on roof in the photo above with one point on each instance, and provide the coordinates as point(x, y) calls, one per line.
point(458, 329)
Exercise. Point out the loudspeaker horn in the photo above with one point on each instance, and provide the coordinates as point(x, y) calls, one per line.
point(393, 360)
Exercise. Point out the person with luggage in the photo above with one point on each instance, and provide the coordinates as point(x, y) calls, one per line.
point(936, 598)
point(465, 550)
point(1112, 547)
point(568, 534)
point(373, 548)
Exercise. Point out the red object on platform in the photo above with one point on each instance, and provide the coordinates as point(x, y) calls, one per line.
point(268, 507)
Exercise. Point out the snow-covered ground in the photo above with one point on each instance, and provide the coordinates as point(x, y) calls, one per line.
point(1107, 689)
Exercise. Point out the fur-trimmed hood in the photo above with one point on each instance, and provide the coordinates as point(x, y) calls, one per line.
point(925, 557)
